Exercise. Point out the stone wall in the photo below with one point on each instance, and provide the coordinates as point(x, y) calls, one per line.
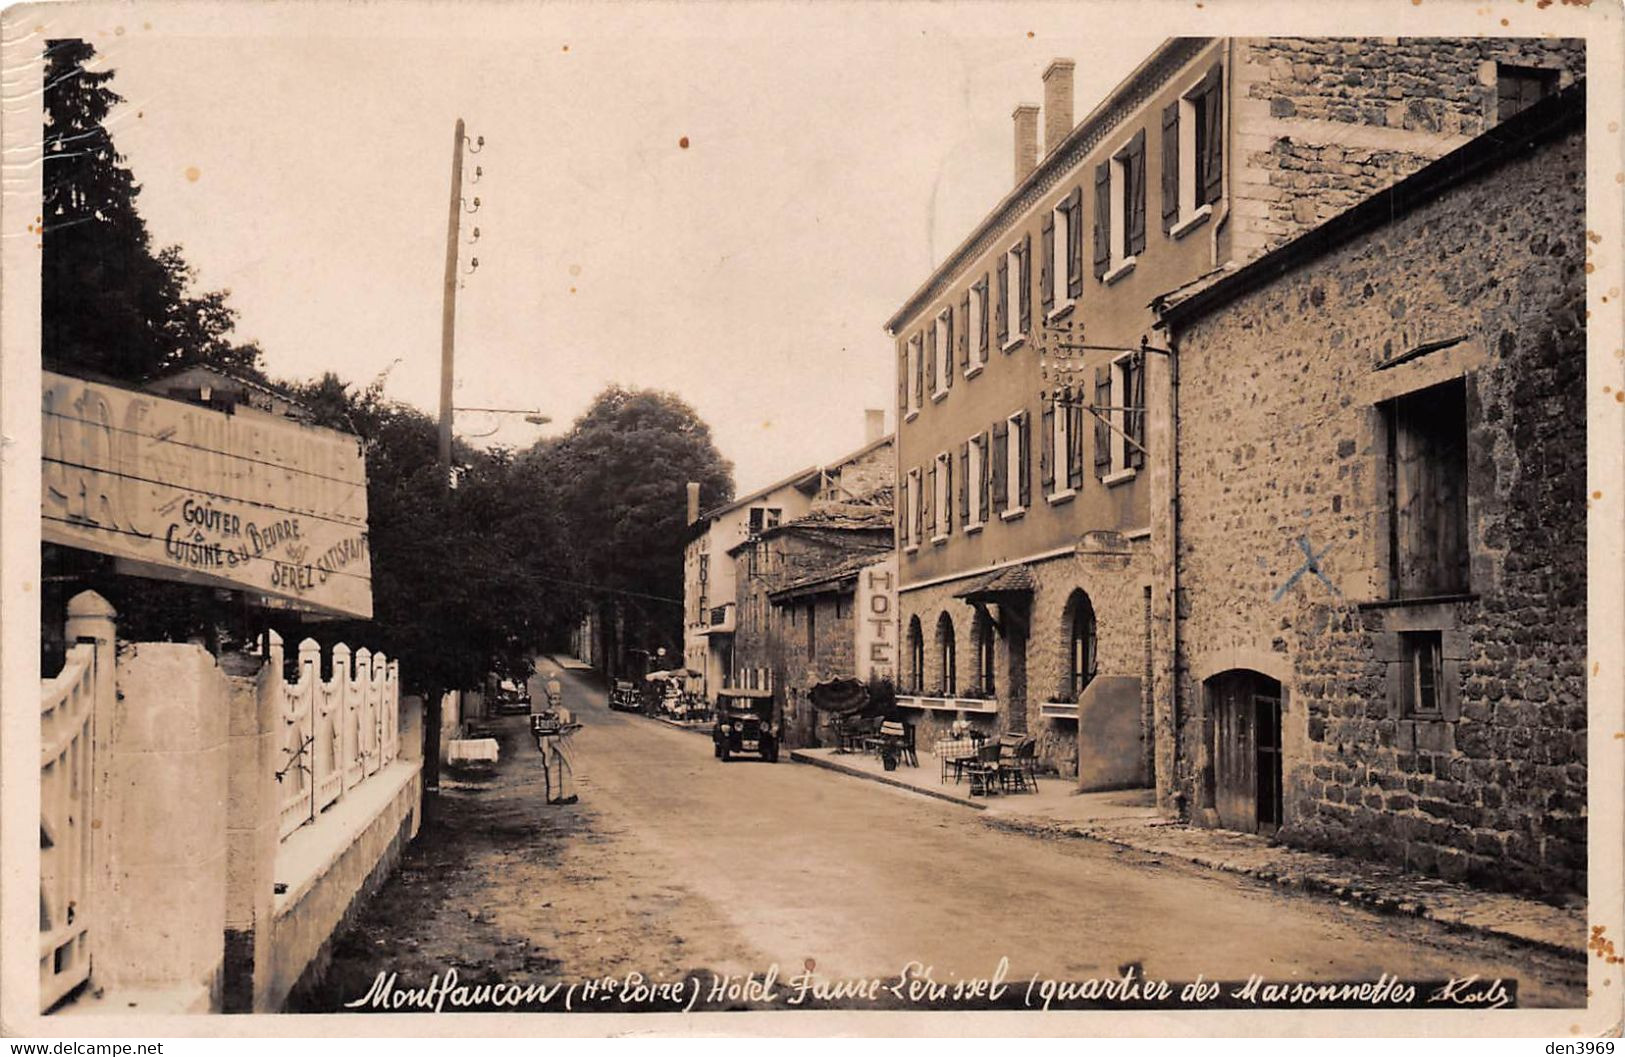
point(833, 657)
point(1321, 124)
point(1283, 442)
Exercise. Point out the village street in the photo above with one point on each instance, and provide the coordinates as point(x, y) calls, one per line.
point(674, 862)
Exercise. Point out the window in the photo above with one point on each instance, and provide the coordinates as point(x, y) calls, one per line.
point(763, 518)
point(843, 607)
point(1422, 670)
point(1061, 282)
point(1081, 639)
point(1427, 464)
point(974, 340)
point(1017, 463)
point(1517, 88)
point(1120, 210)
point(982, 630)
point(1015, 294)
point(914, 378)
point(945, 656)
point(1062, 460)
point(812, 631)
point(916, 657)
point(973, 481)
point(1192, 155)
point(1120, 421)
point(942, 343)
point(942, 488)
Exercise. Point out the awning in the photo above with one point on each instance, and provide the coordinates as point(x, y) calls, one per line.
point(1004, 585)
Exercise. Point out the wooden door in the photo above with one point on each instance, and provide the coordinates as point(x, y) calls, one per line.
point(1247, 752)
point(1267, 712)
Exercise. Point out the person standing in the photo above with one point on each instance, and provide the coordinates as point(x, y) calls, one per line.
point(555, 734)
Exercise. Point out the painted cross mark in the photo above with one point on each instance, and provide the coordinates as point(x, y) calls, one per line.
point(1311, 564)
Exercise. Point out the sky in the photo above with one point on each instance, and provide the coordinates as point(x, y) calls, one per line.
point(301, 154)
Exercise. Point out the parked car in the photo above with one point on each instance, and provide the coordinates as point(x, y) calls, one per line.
point(746, 723)
point(625, 697)
point(512, 697)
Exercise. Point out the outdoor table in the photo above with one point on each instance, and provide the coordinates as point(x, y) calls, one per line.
point(954, 752)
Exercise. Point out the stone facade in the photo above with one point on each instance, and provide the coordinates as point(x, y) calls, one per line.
point(1285, 426)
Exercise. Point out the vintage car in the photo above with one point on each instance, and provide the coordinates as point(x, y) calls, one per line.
point(512, 697)
point(746, 723)
point(624, 696)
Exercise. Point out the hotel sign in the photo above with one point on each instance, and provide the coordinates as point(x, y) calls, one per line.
point(248, 501)
point(875, 612)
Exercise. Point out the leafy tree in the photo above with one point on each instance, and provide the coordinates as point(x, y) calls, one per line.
point(109, 305)
point(620, 477)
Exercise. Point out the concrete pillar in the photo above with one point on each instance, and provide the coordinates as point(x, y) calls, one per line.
point(163, 755)
point(252, 813)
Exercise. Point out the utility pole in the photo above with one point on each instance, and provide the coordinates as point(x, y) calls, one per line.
point(448, 315)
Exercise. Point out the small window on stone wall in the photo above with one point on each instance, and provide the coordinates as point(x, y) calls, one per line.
point(1421, 658)
point(1517, 88)
point(1427, 463)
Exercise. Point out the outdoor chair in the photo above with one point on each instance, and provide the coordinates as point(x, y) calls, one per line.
point(984, 770)
point(1018, 771)
point(909, 750)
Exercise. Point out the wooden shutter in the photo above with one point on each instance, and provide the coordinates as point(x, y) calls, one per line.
point(1002, 309)
point(902, 513)
point(964, 332)
point(1136, 192)
point(1074, 438)
point(1046, 280)
point(1074, 242)
point(902, 382)
point(1001, 462)
point(1136, 418)
point(981, 338)
point(1103, 219)
point(1024, 461)
point(1212, 160)
point(964, 483)
point(1026, 278)
point(984, 478)
point(1103, 432)
point(931, 359)
point(1170, 166)
point(919, 373)
point(948, 350)
point(919, 506)
point(930, 497)
point(947, 512)
point(1047, 453)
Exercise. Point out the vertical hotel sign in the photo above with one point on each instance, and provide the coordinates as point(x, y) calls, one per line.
point(248, 501)
point(875, 609)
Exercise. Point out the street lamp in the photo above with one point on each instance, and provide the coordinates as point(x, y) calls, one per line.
point(535, 418)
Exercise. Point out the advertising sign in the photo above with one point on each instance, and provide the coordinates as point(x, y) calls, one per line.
point(875, 602)
point(250, 501)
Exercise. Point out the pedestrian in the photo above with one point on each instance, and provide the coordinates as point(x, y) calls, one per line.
point(556, 740)
point(555, 692)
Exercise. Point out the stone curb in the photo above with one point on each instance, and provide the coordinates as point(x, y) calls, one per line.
point(830, 765)
point(1301, 882)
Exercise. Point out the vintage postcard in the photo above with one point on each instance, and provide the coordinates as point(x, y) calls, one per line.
point(813, 519)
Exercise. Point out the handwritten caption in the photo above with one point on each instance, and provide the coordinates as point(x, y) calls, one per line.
point(918, 986)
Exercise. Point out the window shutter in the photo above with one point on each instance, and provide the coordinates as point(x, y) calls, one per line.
point(984, 479)
point(930, 495)
point(1046, 458)
point(1103, 219)
point(1170, 166)
point(1213, 146)
point(964, 483)
point(948, 350)
point(1026, 279)
point(1136, 456)
point(1136, 219)
point(981, 338)
point(1002, 311)
point(1074, 438)
point(902, 513)
point(1001, 462)
point(1024, 461)
point(1103, 432)
point(902, 381)
point(1046, 280)
point(1074, 243)
point(947, 513)
point(919, 507)
point(931, 359)
point(919, 373)
point(964, 332)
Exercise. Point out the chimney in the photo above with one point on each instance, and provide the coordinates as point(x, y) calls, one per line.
point(1026, 119)
point(874, 425)
point(693, 501)
point(1057, 103)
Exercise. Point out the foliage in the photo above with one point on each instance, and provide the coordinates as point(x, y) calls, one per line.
point(110, 307)
point(620, 477)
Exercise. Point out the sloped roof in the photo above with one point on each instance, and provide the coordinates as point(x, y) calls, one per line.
point(1014, 579)
point(837, 576)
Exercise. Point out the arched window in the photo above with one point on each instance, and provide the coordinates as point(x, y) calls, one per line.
point(946, 656)
point(916, 657)
point(982, 634)
point(1081, 643)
